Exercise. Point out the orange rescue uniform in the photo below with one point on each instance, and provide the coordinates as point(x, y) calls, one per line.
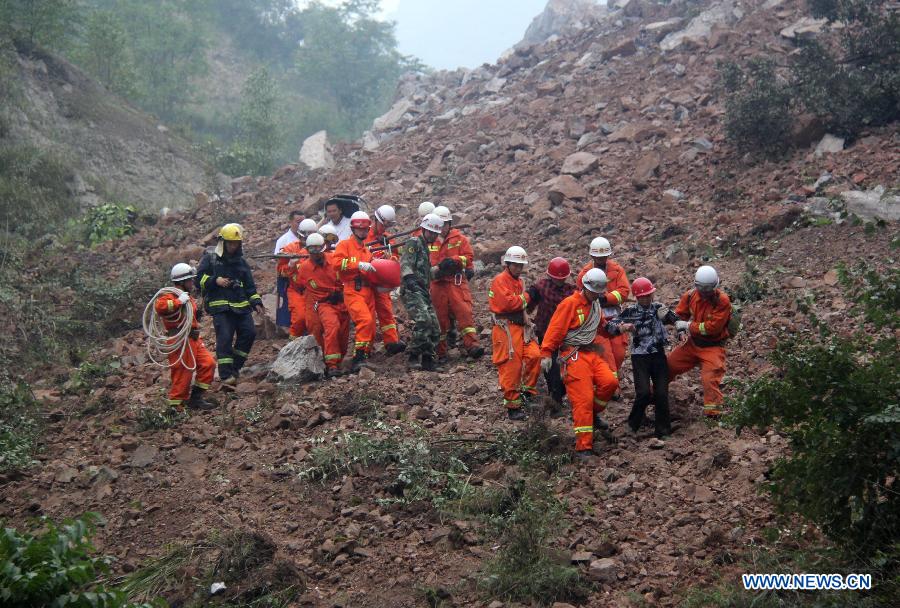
point(359, 296)
point(384, 308)
point(196, 357)
point(451, 295)
point(705, 344)
point(617, 291)
point(518, 363)
point(590, 382)
point(296, 300)
point(327, 321)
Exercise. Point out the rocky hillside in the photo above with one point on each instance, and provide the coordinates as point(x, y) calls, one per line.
point(116, 152)
point(614, 130)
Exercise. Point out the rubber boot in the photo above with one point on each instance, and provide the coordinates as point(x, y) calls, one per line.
point(475, 352)
point(516, 414)
point(197, 402)
point(428, 363)
point(413, 361)
point(395, 347)
point(358, 359)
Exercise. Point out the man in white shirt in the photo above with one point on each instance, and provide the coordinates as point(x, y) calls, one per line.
point(282, 314)
point(336, 219)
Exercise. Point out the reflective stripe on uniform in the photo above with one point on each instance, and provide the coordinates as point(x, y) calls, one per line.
point(344, 264)
point(584, 429)
point(524, 301)
point(388, 326)
point(256, 296)
point(618, 296)
point(215, 303)
point(313, 284)
point(224, 360)
point(512, 402)
point(462, 260)
point(580, 317)
point(333, 357)
point(170, 304)
point(176, 401)
point(241, 353)
point(490, 293)
point(599, 402)
point(467, 330)
point(702, 329)
point(202, 385)
point(203, 280)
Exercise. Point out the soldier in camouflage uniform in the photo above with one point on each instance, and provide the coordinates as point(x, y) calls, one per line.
point(415, 267)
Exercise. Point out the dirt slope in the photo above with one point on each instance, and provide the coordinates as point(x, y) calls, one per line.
point(488, 143)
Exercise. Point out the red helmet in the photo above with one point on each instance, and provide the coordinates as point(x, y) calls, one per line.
point(558, 268)
point(642, 287)
point(360, 219)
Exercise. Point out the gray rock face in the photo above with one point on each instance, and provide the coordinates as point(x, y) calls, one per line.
point(873, 204)
point(316, 152)
point(698, 30)
point(393, 117)
point(299, 361)
point(560, 16)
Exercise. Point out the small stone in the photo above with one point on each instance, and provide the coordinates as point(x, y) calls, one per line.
point(582, 557)
point(144, 455)
point(603, 570)
point(579, 163)
point(830, 278)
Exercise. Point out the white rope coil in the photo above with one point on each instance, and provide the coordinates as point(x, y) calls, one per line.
point(160, 342)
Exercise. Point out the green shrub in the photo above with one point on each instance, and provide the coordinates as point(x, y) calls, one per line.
point(20, 426)
point(33, 191)
point(757, 107)
point(109, 222)
point(835, 398)
point(526, 569)
point(56, 568)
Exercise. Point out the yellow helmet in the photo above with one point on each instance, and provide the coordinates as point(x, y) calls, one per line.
point(231, 232)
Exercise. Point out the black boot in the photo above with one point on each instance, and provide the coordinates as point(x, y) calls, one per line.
point(358, 359)
point(395, 347)
point(475, 352)
point(197, 402)
point(413, 361)
point(516, 414)
point(428, 363)
point(333, 372)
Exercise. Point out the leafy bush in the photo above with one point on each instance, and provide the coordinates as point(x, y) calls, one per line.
point(33, 191)
point(526, 569)
point(20, 426)
point(109, 221)
point(835, 399)
point(757, 107)
point(57, 568)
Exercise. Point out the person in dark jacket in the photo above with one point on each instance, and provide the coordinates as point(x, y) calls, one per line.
point(229, 295)
point(646, 322)
point(545, 296)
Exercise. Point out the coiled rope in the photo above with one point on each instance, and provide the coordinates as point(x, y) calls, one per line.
point(161, 343)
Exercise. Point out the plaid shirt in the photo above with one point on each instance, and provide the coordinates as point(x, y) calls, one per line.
point(546, 296)
point(650, 335)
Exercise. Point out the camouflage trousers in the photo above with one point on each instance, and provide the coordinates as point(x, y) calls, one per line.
point(426, 329)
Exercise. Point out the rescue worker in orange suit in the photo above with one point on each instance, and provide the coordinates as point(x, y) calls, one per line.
point(352, 261)
point(515, 354)
point(704, 313)
point(590, 382)
point(195, 358)
point(326, 314)
point(544, 297)
point(287, 268)
point(617, 291)
point(453, 263)
point(385, 216)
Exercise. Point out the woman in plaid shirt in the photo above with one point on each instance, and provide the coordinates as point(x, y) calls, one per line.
point(545, 296)
point(646, 322)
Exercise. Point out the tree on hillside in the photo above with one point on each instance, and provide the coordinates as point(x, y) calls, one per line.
point(45, 22)
point(350, 57)
point(104, 52)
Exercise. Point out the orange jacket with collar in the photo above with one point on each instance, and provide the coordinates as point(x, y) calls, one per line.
point(617, 287)
point(507, 294)
point(570, 314)
point(346, 258)
point(709, 317)
point(320, 281)
point(455, 246)
point(376, 233)
point(288, 268)
point(168, 307)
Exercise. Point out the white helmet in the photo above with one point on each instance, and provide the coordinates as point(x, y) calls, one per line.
point(443, 212)
point(315, 241)
point(706, 278)
point(426, 208)
point(386, 214)
point(516, 255)
point(182, 272)
point(594, 280)
point(432, 223)
point(307, 226)
point(328, 229)
point(600, 248)
point(360, 219)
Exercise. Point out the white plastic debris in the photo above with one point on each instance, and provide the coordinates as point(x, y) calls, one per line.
point(216, 587)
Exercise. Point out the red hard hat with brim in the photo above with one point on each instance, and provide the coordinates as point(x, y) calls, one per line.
point(559, 269)
point(387, 274)
point(642, 287)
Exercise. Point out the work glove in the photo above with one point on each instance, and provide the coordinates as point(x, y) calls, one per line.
point(366, 267)
point(435, 270)
point(546, 364)
point(682, 325)
point(533, 294)
point(184, 297)
point(449, 266)
point(662, 313)
point(410, 282)
point(469, 274)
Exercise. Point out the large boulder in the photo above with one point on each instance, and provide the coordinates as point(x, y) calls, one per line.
point(698, 30)
point(579, 163)
point(560, 16)
point(299, 361)
point(316, 152)
point(393, 117)
point(873, 204)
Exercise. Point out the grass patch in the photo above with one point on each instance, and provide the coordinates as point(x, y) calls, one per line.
point(152, 419)
point(20, 426)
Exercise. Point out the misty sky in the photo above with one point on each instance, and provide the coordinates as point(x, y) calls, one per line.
point(447, 34)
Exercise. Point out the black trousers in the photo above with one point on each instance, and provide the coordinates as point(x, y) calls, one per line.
point(235, 333)
point(651, 368)
point(555, 385)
